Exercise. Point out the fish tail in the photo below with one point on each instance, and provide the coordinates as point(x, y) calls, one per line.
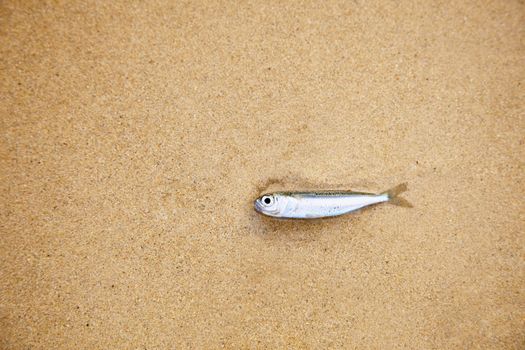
point(393, 195)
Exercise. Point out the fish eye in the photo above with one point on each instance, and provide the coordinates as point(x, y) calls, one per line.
point(267, 200)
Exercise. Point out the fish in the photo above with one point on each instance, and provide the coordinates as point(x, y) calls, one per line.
point(322, 204)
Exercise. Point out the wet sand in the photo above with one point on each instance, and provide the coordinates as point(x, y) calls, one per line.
point(134, 138)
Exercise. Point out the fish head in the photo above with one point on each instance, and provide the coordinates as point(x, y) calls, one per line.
point(271, 204)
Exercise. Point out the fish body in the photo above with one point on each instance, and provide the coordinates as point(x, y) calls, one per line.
point(320, 204)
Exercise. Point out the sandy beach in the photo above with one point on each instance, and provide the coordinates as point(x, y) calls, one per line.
point(135, 136)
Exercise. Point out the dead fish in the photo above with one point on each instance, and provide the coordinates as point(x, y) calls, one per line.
point(321, 204)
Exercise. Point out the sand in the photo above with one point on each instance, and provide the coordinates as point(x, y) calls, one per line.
point(135, 136)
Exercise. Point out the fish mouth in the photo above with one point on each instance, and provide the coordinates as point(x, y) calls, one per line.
point(258, 206)
point(261, 208)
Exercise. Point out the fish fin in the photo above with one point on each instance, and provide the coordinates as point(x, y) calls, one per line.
point(393, 195)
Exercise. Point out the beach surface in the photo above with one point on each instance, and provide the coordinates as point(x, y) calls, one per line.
point(134, 137)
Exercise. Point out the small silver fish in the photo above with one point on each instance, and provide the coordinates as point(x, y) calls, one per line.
point(321, 204)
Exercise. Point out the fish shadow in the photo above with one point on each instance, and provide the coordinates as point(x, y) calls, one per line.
point(296, 183)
